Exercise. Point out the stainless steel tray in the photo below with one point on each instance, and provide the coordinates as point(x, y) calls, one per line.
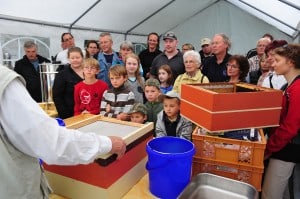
point(210, 186)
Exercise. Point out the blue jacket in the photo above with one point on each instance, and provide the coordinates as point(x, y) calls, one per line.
point(104, 66)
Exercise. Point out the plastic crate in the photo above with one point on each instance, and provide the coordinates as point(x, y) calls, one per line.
point(248, 174)
point(229, 150)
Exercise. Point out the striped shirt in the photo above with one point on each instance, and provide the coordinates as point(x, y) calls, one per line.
point(119, 100)
point(253, 63)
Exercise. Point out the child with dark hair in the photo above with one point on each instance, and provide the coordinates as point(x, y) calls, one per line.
point(166, 78)
point(117, 102)
point(169, 121)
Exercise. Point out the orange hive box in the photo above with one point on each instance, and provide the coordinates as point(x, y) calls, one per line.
point(226, 106)
point(106, 177)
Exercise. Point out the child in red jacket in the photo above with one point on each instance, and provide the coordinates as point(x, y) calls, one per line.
point(88, 93)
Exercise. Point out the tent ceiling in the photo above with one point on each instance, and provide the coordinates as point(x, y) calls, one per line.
point(285, 15)
point(142, 16)
point(121, 15)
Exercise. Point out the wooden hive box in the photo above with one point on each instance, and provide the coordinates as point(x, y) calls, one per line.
point(227, 106)
point(106, 177)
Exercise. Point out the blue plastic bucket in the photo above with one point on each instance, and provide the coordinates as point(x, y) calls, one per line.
point(169, 165)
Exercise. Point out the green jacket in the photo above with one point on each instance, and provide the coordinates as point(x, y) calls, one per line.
point(153, 108)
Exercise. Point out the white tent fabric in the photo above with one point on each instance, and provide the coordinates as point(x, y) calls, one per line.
point(244, 21)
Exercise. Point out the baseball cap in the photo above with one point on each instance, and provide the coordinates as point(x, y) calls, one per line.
point(170, 94)
point(170, 35)
point(138, 108)
point(205, 41)
point(152, 82)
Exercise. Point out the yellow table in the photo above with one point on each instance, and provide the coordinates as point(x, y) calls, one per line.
point(138, 191)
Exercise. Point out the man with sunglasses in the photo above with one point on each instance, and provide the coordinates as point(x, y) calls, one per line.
point(67, 41)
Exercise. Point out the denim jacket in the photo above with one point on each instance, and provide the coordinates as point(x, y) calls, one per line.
point(104, 66)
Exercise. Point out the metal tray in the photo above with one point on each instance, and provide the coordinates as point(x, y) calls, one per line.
point(210, 186)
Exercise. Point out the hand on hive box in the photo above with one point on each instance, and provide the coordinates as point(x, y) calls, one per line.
point(118, 146)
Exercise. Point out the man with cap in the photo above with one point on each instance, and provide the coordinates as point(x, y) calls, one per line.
point(138, 113)
point(169, 121)
point(171, 56)
point(205, 51)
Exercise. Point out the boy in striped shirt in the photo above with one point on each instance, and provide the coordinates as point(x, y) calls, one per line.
point(117, 102)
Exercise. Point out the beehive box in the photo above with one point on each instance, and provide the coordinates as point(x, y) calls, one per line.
point(248, 174)
point(104, 178)
point(233, 151)
point(227, 106)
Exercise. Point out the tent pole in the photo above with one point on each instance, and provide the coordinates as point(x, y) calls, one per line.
point(290, 4)
point(282, 22)
point(42, 23)
point(148, 17)
point(82, 15)
point(186, 19)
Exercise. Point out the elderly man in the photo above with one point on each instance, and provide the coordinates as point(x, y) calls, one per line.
point(171, 56)
point(107, 57)
point(215, 67)
point(28, 68)
point(260, 49)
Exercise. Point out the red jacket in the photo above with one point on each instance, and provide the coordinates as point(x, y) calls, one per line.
point(289, 123)
point(88, 97)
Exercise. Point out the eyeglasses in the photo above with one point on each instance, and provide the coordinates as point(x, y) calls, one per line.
point(90, 68)
point(231, 66)
point(68, 39)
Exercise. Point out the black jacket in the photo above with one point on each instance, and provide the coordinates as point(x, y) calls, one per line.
point(32, 77)
point(63, 91)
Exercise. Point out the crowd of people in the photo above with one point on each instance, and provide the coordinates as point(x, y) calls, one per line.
point(146, 87)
